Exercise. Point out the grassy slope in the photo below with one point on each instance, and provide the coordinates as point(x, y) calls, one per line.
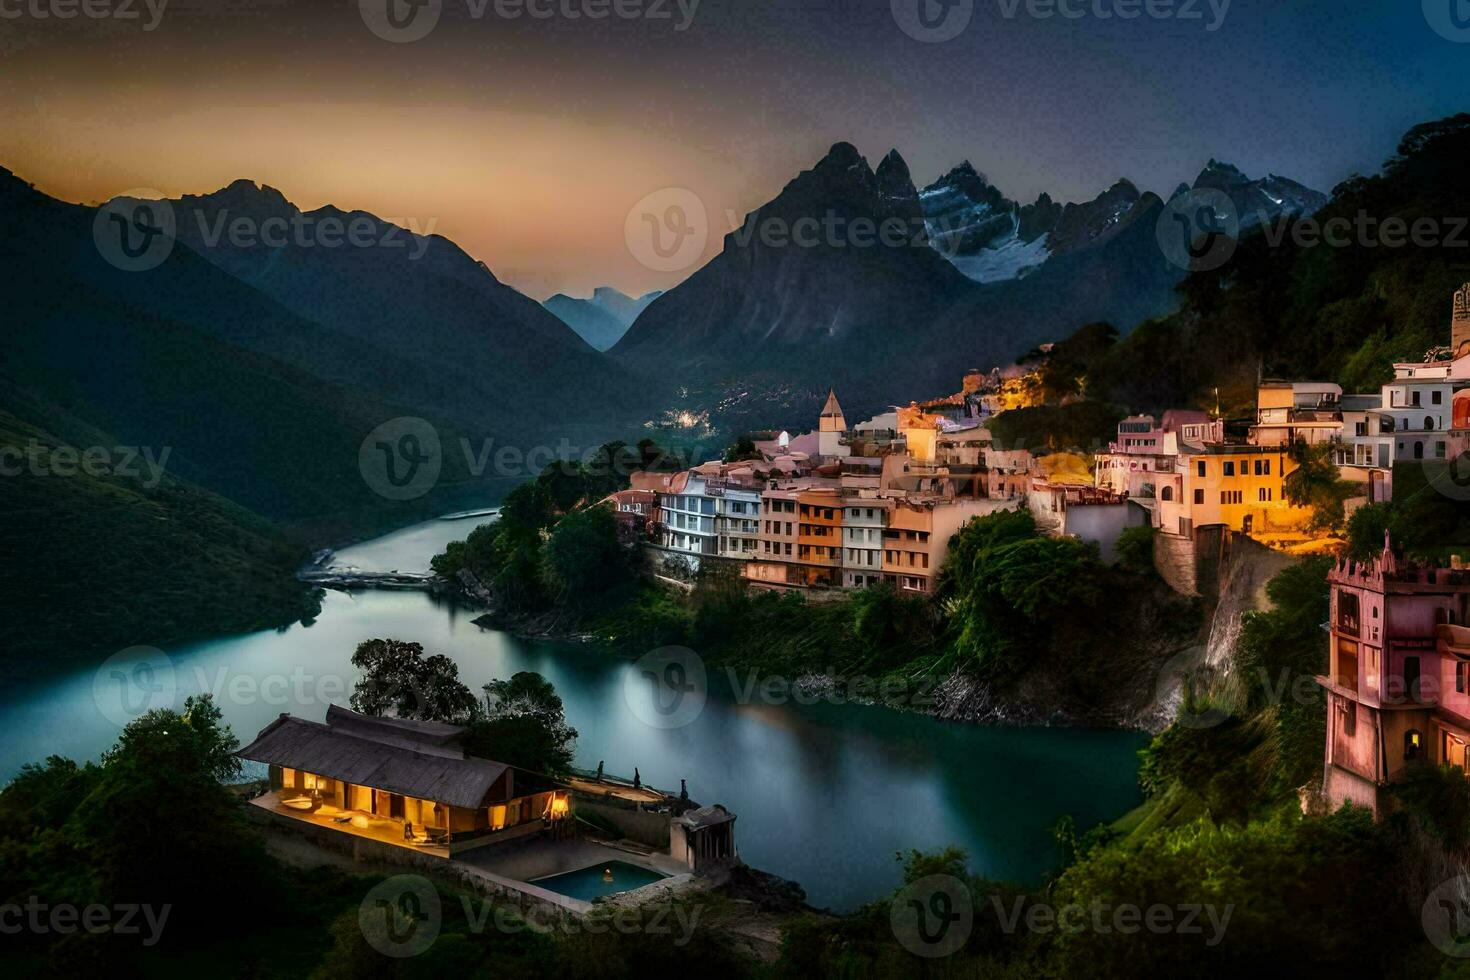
point(90, 563)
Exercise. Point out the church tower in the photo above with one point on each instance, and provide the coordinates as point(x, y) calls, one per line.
point(1460, 323)
point(831, 428)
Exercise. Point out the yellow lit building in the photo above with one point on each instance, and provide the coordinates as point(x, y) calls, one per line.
point(1240, 487)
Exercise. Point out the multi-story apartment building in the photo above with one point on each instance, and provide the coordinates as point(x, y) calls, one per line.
point(916, 540)
point(776, 537)
point(1146, 446)
point(863, 519)
point(819, 536)
point(1297, 411)
point(1398, 676)
point(737, 519)
point(1240, 487)
point(687, 517)
point(1416, 407)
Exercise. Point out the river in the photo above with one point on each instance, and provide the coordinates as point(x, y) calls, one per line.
point(825, 793)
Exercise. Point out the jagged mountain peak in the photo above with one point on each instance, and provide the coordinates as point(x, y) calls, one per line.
point(244, 196)
point(843, 156)
point(1222, 168)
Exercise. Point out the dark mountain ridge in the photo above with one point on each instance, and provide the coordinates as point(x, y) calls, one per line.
point(768, 324)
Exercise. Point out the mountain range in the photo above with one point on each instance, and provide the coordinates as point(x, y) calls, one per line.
point(264, 369)
point(991, 238)
point(264, 365)
point(604, 318)
point(764, 328)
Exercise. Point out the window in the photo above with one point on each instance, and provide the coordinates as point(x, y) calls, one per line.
point(1228, 497)
point(1428, 423)
point(1200, 467)
point(1439, 450)
point(1418, 450)
point(1349, 718)
point(1199, 498)
point(1229, 468)
point(1414, 399)
point(1437, 397)
point(1462, 676)
point(1167, 494)
point(1264, 495)
point(1413, 744)
point(1347, 613)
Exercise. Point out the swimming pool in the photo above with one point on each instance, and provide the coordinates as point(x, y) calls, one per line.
point(607, 878)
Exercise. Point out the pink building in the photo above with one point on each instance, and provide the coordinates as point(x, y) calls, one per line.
point(1398, 680)
point(1146, 446)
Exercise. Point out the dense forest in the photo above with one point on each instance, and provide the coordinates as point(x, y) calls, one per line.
point(110, 550)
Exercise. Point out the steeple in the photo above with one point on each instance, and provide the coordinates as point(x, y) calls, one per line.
point(832, 429)
point(832, 420)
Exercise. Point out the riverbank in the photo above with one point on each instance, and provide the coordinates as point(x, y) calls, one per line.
point(806, 646)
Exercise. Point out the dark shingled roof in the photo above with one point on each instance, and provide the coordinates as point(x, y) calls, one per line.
point(407, 757)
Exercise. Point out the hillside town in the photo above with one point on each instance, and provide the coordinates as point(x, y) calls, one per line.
point(845, 506)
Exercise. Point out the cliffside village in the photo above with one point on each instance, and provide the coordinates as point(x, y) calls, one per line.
point(844, 507)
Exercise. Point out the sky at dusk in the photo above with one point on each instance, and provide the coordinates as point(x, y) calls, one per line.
point(528, 139)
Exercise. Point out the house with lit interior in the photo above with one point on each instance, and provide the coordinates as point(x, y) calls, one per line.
point(399, 782)
point(1398, 674)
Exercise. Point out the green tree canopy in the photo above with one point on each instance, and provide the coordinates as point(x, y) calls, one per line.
point(399, 681)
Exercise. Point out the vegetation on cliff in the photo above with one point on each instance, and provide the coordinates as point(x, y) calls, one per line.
point(116, 551)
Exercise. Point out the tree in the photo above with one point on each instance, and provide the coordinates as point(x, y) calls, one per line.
point(1135, 550)
point(1316, 483)
point(159, 826)
point(523, 723)
point(741, 449)
point(583, 559)
point(399, 681)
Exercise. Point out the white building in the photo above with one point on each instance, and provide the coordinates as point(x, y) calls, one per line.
point(1416, 405)
point(688, 517)
point(863, 520)
point(737, 520)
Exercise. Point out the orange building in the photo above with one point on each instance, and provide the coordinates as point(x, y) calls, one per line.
point(819, 536)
